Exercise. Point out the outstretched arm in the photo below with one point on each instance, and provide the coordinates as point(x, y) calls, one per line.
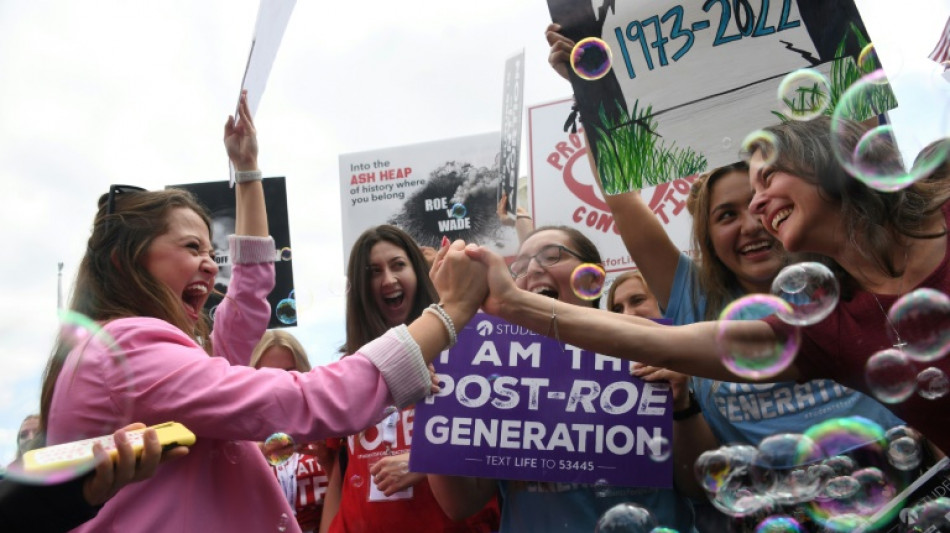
point(689, 349)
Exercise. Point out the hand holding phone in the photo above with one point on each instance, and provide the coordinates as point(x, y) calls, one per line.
point(74, 454)
point(129, 466)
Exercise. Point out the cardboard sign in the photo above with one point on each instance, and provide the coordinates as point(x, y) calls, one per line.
point(689, 80)
point(511, 113)
point(430, 190)
point(563, 190)
point(518, 405)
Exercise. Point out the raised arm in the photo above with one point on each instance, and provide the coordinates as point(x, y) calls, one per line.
point(646, 241)
point(689, 349)
point(242, 317)
point(240, 139)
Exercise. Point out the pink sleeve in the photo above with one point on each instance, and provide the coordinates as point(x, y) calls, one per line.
point(173, 379)
point(243, 315)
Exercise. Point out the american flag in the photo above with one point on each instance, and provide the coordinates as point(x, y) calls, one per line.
point(941, 52)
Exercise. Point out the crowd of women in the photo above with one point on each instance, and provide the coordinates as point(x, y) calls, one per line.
point(149, 269)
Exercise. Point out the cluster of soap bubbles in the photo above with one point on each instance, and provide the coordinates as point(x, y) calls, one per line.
point(838, 474)
point(919, 326)
point(806, 93)
point(588, 280)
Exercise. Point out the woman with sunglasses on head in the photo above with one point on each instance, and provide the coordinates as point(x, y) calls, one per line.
point(543, 267)
point(144, 279)
point(371, 487)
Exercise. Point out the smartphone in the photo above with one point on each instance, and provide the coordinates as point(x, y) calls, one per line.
point(70, 454)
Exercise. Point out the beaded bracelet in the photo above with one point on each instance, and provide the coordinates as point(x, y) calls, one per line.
point(439, 311)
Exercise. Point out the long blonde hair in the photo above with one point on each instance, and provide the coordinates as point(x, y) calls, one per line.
point(279, 337)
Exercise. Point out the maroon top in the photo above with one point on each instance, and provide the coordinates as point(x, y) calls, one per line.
point(839, 346)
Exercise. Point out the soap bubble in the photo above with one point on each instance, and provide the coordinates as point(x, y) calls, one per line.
point(625, 518)
point(871, 159)
point(890, 375)
point(922, 320)
point(591, 58)
point(903, 448)
point(767, 140)
point(779, 524)
point(286, 311)
point(749, 350)
point(932, 383)
point(810, 289)
point(587, 281)
point(278, 448)
point(458, 210)
point(804, 94)
point(88, 352)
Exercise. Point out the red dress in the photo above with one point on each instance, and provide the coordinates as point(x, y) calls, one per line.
point(363, 508)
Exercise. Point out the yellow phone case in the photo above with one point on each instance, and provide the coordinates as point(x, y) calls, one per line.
point(79, 453)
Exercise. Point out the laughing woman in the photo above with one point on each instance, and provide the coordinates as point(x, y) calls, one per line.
point(145, 277)
point(884, 245)
point(371, 487)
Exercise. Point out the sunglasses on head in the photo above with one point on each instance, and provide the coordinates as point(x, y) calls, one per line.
point(116, 190)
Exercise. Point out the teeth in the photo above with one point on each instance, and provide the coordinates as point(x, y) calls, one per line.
point(780, 217)
point(197, 287)
point(542, 288)
point(761, 245)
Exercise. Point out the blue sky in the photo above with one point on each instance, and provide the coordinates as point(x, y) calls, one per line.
point(119, 91)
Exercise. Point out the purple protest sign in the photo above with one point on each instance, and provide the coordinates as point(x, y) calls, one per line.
point(518, 405)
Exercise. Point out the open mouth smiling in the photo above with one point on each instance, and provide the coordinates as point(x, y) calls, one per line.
point(194, 297)
point(780, 217)
point(546, 290)
point(395, 299)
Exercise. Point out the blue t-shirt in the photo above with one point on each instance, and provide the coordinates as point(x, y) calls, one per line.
point(531, 506)
point(746, 413)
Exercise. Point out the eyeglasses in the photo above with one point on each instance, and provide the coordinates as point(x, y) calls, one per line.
point(548, 256)
point(115, 190)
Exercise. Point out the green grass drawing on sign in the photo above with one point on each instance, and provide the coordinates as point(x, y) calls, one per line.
point(845, 71)
point(631, 156)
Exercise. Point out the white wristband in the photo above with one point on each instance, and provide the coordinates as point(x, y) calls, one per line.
point(243, 176)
